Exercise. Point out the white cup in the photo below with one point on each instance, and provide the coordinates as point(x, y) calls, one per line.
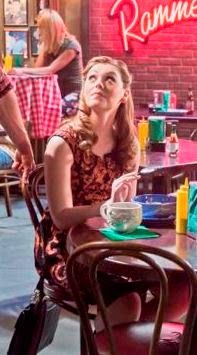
point(122, 216)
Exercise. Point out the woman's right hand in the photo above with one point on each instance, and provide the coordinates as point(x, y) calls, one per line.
point(124, 188)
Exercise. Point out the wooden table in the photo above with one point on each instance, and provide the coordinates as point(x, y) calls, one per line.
point(158, 168)
point(182, 245)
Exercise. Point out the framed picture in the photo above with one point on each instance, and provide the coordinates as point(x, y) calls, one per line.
point(15, 12)
point(34, 39)
point(16, 42)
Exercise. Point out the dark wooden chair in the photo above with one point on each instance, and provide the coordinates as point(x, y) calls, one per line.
point(140, 337)
point(8, 178)
point(35, 198)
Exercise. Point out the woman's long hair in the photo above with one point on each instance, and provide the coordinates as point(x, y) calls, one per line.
point(124, 130)
point(52, 30)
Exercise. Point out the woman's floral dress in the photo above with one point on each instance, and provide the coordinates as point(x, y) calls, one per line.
point(91, 180)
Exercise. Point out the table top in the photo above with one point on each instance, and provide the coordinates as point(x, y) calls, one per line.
point(39, 100)
point(182, 245)
point(187, 154)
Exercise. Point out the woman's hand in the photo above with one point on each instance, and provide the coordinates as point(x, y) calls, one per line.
point(124, 188)
point(16, 71)
point(23, 163)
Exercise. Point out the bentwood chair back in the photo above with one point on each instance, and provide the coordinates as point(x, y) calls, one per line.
point(139, 337)
point(35, 198)
point(8, 178)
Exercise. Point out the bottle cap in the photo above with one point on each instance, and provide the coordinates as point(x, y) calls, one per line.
point(185, 186)
point(186, 182)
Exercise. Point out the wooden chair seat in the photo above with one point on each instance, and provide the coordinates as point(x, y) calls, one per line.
point(8, 177)
point(139, 335)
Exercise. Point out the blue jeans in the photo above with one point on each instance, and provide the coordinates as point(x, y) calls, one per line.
point(5, 160)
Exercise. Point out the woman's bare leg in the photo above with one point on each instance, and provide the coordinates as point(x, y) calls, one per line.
point(124, 310)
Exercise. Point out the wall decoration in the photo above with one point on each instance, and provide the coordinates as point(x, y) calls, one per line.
point(34, 39)
point(15, 12)
point(16, 42)
point(141, 24)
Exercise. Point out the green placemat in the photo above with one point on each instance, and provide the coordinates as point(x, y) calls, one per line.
point(140, 233)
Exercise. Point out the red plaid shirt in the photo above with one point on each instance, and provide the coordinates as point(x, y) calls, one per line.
point(5, 84)
point(39, 100)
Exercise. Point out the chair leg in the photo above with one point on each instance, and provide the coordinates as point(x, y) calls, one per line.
point(83, 345)
point(7, 199)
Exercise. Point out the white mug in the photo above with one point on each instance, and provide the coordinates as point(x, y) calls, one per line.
point(122, 216)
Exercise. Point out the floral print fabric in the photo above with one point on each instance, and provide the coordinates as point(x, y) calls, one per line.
point(91, 180)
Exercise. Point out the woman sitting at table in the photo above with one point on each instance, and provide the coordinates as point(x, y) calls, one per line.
point(82, 160)
point(59, 53)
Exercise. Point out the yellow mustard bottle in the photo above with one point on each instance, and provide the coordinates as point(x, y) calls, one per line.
point(143, 133)
point(8, 62)
point(182, 208)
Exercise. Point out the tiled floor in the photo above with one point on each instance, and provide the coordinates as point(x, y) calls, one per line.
point(18, 279)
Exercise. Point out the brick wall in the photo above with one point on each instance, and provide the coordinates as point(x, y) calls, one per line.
point(167, 61)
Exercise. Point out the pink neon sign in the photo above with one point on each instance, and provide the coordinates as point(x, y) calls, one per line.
point(140, 26)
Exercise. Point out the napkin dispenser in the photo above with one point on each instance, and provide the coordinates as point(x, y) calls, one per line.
point(192, 212)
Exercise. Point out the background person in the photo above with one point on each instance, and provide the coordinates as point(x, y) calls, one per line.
point(59, 53)
point(11, 120)
point(82, 160)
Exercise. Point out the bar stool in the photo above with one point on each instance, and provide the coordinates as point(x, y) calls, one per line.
point(8, 177)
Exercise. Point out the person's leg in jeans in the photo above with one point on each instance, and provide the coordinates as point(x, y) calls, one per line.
point(5, 160)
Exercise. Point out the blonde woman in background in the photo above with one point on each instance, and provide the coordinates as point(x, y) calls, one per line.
point(59, 53)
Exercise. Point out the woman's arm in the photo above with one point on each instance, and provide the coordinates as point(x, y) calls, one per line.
point(59, 63)
point(127, 187)
point(58, 163)
point(40, 59)
point(12, 122)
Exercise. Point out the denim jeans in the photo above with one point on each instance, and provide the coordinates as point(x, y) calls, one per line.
point(5, 160)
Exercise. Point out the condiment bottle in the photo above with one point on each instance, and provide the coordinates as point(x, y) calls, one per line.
point(173, 142)
point(190, 101)
point(173, 100)
point(8, 61)
point(182, 208)
point(143, 133)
